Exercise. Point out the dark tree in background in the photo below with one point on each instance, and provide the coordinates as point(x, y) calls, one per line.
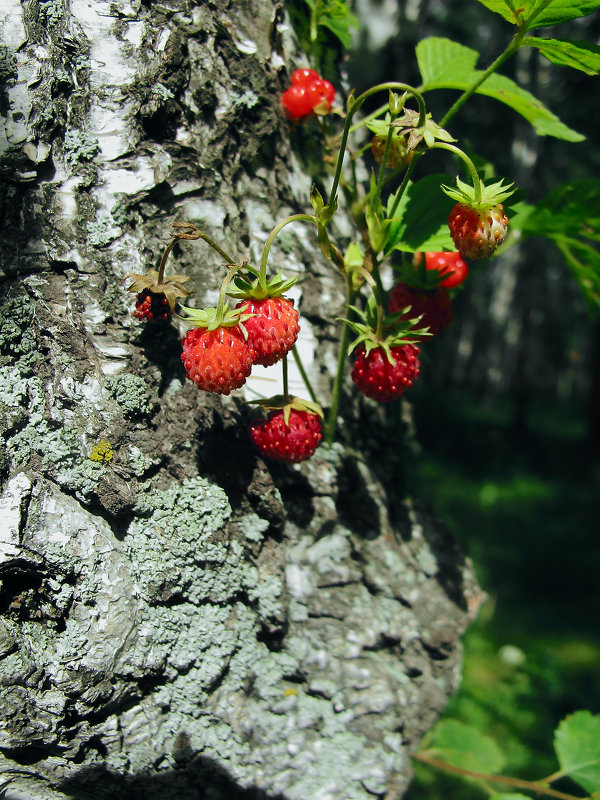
point(178, 618)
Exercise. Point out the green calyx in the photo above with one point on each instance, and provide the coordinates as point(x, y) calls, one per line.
point(213, 318)
point(249, 285)
point(380, 127)
point(491, 195)
point(387, 331)
point(417, 276)
point(429, 132)
point(287, 404)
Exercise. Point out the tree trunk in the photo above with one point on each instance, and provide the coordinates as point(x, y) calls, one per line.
point(179, 618)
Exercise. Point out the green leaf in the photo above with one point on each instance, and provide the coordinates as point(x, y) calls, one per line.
point(570, 217)
point(342, 28)
point(421, 220)
point(572, 209)
point(566, 53)
point(336, 17)
point(445, 64)
point(505, 8)
point(519, 13)
point(464, 746)
point(562, 11)
point(509, 796)
point(577, 745)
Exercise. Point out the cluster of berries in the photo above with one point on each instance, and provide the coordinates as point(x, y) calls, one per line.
point(421, 300)
point(225, 343)
point(308, 94)
point(220, 359)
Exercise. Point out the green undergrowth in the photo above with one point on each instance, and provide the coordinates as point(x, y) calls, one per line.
point(523, 503)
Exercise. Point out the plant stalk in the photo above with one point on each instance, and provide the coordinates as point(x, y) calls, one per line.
point(271, 238)
point(336, 391)
point(517, 783)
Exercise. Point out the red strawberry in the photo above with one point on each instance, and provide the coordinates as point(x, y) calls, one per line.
point(304, 77)
point(376, 377)
point(450, 264)
point(434, 306)
point(308, 92)
point(274, 328)
point(297, 102)
point(156, 296)
point(217, 360)
point(152, 306)
point(293, 441)
point(476, 233)
point(477, 222)
point(322, 94)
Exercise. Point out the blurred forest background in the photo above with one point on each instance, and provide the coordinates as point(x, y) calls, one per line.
point(508, 404)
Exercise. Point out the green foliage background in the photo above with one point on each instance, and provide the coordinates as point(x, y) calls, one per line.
point(513, 466)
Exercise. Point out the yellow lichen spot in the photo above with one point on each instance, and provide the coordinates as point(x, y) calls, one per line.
point(102, 451)
point(290, 692)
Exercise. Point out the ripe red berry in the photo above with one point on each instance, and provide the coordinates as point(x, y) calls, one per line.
point(152, 306)
point(321, 93)
point(297, 102)
point(304, 77)
point(219, 360)
point(381, 380)
point(451, 263)
point(274, 328)
point(434, 307)
point(292, 442)
point(476, 234)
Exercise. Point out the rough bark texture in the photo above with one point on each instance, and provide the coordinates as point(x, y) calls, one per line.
point(182, 619)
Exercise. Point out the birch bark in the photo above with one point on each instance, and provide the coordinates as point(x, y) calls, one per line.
point(180, 619)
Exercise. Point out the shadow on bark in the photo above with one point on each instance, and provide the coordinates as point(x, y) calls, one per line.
point(200, 779)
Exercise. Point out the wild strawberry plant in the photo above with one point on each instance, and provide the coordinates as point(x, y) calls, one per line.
point(425, 227)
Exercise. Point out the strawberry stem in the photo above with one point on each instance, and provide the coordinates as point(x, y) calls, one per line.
point(373, 115)
point(470, 165)
point(331, 424)
point(190, 231)
point(404, 184)
point(303, 374)
point(284, 367)
point(223, 302)
point(514, 45)
point(353, 107)
point(163, 260)
point(386, 150)
point(262, 279)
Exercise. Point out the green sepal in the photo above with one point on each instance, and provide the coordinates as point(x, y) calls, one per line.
point(248, 285)
point(316, 200)
point(396, 104)
point(377, 224)
point(287, 403)
point(429, 132)
point(350, 102)
point(356, 264)
point(417, 276)
point(380, 127)
point(323, 213)
point(396, 332)
point(491, 195)
point(213, 318)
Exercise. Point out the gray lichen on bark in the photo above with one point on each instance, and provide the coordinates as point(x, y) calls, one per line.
point(178, 618)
